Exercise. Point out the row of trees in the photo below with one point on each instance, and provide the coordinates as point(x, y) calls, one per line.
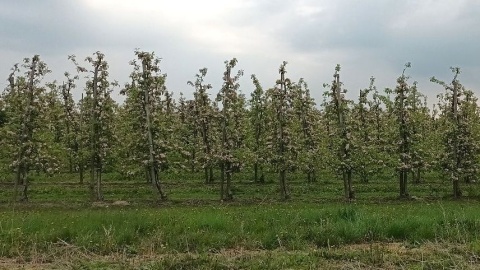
point(280, 129)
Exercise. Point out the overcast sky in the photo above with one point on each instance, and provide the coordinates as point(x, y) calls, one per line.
point(367, 38)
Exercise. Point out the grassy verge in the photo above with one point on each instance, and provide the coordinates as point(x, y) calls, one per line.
point(295, 229)
point(59, 228)
point(364, 256)
point(189, 188)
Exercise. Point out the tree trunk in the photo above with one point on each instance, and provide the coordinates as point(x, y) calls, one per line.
point(404, 147)
point(351, 192)
point(283, 186)
point(255, 169)
point(417, 175)
point(80, 171)
point(468, 179)
point(95, 190)
point(70, 145)
point(229, 194)
point(98, 185)
point(25, 189)
point(403, 184)
point(282, 169)
point(153, 166)
point(222, 181)
point(91, 185)
point(80, 145)
point(206, 175)
point(210, 177)
point(192, 162)
point(457, 193)
point(281, 117)
point(225, 181)
point(344, 151)
point(311, 175)
point(257, 146)
point(27, 134)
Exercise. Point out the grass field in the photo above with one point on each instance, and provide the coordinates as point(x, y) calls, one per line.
point(60, 229)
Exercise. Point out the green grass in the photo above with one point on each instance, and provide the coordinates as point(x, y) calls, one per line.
point(59, 226)
point(188, 188)
point(215, 228)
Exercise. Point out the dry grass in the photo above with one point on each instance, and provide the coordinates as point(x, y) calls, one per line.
point(381, 255)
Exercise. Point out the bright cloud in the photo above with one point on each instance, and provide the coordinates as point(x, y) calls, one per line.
point(368, 38)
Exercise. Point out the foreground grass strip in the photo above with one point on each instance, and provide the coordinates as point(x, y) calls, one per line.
point(211, 229)
point(429, 255)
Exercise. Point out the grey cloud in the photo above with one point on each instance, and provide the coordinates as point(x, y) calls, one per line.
point(58, 27)
point(341, 25)
point(357, 31)
point(362, 32)
point(51, 26)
